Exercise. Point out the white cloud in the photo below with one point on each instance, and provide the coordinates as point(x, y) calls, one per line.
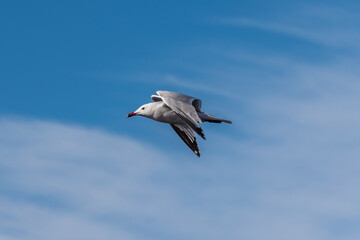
point(203, 86)
point(59, 179)
point(294, 178)
point(322, 24)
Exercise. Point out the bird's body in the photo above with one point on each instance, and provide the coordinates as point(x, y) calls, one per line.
point(182, 112)
point(162, 113)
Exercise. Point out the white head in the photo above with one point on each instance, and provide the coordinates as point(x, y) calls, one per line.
point(145, 110)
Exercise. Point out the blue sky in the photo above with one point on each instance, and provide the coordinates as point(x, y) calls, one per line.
point(74, 167)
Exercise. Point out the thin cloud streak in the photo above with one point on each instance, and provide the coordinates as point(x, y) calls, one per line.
point(330, 34)
point(203, 87)
point(296, 171)
point(168, 80)
point(293, 175)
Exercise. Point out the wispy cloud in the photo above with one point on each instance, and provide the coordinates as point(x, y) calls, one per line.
point(273, 27)
point(288, 170)
point(322, 25)
point(195, 85)
point(167, 80)
point(64, 181)
point(293, 177)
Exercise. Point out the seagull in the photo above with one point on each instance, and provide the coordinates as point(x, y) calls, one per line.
point(182, 112)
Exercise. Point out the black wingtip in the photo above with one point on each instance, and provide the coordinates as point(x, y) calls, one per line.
point(197, 129)
point(191, 144)
point(201, 133)
point(197, 153)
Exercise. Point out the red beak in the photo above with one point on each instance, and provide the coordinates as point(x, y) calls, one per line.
point(131, 114)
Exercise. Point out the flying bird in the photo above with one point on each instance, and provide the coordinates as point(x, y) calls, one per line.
point(182, 112)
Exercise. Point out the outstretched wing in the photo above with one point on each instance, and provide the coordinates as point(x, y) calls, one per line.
point(195, 102)
point(179, 103)
point(188, 136)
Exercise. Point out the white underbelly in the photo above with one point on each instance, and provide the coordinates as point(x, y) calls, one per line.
point(168, 117)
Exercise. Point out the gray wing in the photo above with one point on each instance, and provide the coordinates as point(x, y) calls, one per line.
point(179, 103)
point(188, 136)
point(195, 102)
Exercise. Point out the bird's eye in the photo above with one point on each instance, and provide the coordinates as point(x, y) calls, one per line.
point(142, 108)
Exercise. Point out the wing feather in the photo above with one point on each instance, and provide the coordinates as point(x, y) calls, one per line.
point(179, 103)
point(187, 135)
point(195, 102)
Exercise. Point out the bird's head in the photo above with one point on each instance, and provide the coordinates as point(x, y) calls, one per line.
point(145, 110)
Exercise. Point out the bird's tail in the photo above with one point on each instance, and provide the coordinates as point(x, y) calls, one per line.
point(206, 117)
